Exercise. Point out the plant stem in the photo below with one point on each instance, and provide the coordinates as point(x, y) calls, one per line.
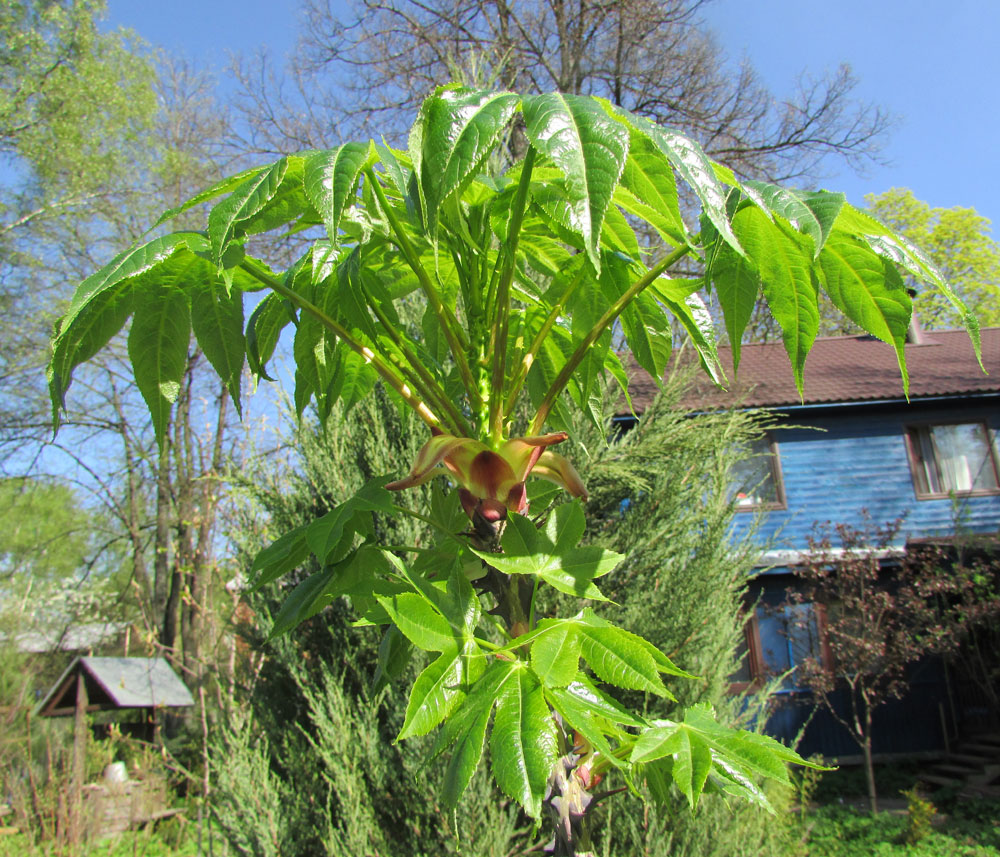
point(449, 325)
point(498, 332)
point(377, 361)
point(562, 379)
point(427, 385)
point(532, 352)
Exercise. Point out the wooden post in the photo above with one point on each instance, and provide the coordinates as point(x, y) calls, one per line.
point(79, 760)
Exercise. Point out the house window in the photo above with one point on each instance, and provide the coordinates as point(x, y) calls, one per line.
point(756, 477)
point(955, 458)
point(777, 639)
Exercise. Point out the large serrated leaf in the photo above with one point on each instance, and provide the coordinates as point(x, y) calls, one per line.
point(737, 285)
point(90, 329)
point(523, 743)
point(437, 690)
point(812, 213)
point(570, 570)
point(650, 191)
point(131, 263)
point(217, 318)
point(419, 621)
point(331, 179)
point(869, 291)
point(589, 147)
point(158, 348)
point(272, 315)
point(230, 183)
point(555, 654)
point(691, 164)
point(898, 250)
point(785, 267)
point(248, 199)
point(286, 552)
point(688, 307)
point(455, 132)
point(618, 658)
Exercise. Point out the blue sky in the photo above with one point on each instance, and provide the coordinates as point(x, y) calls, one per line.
point(933, 65)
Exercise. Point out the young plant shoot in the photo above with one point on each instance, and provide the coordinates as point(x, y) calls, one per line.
point(521, 273)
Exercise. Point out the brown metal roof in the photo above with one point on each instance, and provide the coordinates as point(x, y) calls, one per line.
point(844, 369)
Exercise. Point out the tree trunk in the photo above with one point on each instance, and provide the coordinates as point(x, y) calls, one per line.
point(869, 766)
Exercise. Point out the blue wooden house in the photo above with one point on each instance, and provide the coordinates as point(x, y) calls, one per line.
point(854, 451)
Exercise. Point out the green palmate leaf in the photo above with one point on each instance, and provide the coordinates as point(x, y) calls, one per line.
point(465, 729)
point(555, 654)
point(217, 318)
point(352, 380)
point(869, 291)
point(621, 659)
point(570, 570)
point(648, 189)
point(79, 339)
point(682, 299)
point(331, 177)
point(646, 328)
point(580, 717)
point(691, 163)
point(589, 147)
point(272, 315)
point(523, 743)
point(737, 286)
point(125, 266)
point(158, 348)
point(437, 690)
point(897, 249)
point(701, 749)
point(280, 557)
point(332, 533)
point(423, 626)
point(811, 213)
point(249, 199)
point(455, 132)
point(784, 265)
point(222, 186)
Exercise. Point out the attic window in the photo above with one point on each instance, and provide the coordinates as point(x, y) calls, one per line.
point(956, 458)
point(756, 477)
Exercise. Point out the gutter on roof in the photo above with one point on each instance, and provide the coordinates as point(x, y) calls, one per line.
point(855, 403)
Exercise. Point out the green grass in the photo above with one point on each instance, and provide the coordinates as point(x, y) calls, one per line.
point(971, 829)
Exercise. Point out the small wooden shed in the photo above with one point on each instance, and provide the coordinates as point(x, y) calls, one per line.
point(107, 684)
point(111, 684)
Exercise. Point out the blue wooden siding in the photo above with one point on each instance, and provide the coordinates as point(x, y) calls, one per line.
point(854, 458)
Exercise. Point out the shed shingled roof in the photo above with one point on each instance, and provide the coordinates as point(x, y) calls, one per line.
point(842, 369)
point(120, 683)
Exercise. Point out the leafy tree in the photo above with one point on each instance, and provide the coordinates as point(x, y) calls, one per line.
point(958, 241)
point(73, 104)
point(46, 543)
point(878, 622)
point(524, 274)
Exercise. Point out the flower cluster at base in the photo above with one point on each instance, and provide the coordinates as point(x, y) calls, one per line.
point(492, 482)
